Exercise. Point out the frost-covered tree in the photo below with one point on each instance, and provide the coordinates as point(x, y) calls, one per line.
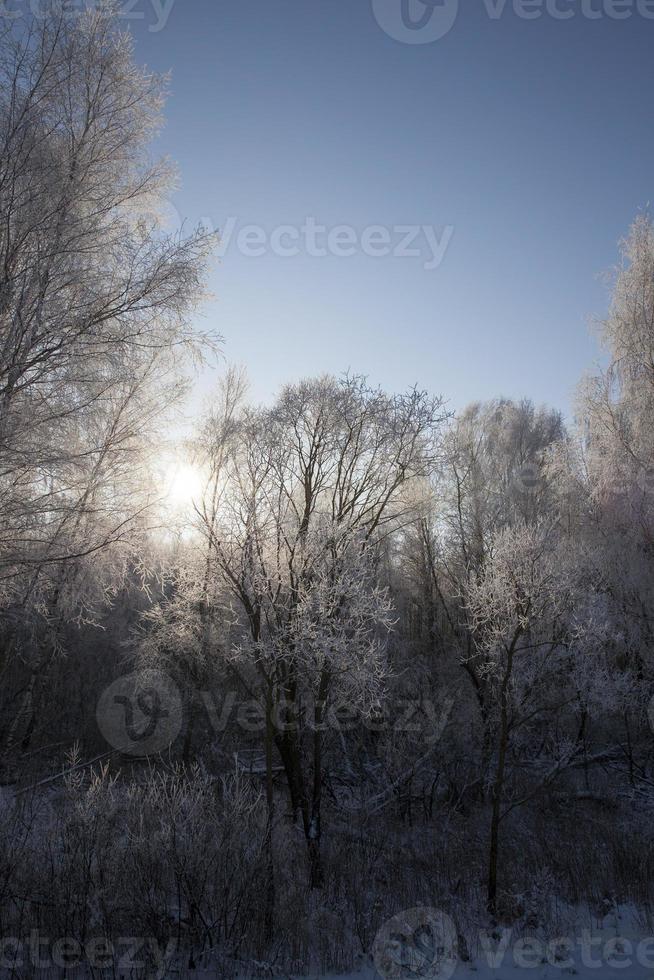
point(616, 410)
point(94, 298)
point(94, 307)
point(292, 519)
point(530, 611)
point(496, 474)
point(618, 404)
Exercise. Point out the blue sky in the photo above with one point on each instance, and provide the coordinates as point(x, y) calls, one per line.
point(532, 140)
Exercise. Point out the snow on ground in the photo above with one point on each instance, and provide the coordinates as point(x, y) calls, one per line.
point(615, 943)
point(482, 972)
point(615, 946)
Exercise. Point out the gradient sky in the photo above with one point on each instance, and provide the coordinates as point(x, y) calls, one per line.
point(533, 139)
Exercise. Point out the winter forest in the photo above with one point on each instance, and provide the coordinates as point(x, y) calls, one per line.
point(366, 655)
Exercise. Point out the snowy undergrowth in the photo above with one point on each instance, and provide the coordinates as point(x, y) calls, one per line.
point(605, 947)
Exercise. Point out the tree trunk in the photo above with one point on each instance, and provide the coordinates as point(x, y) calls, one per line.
point(289, 757)
point(269, 925)
point(21, 727)
point(313, 837)
point(187, 750)
point(316, 876)
point(498, 784)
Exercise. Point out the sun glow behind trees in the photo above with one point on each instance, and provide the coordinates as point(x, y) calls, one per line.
point(184, 485)
point(179, 485)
